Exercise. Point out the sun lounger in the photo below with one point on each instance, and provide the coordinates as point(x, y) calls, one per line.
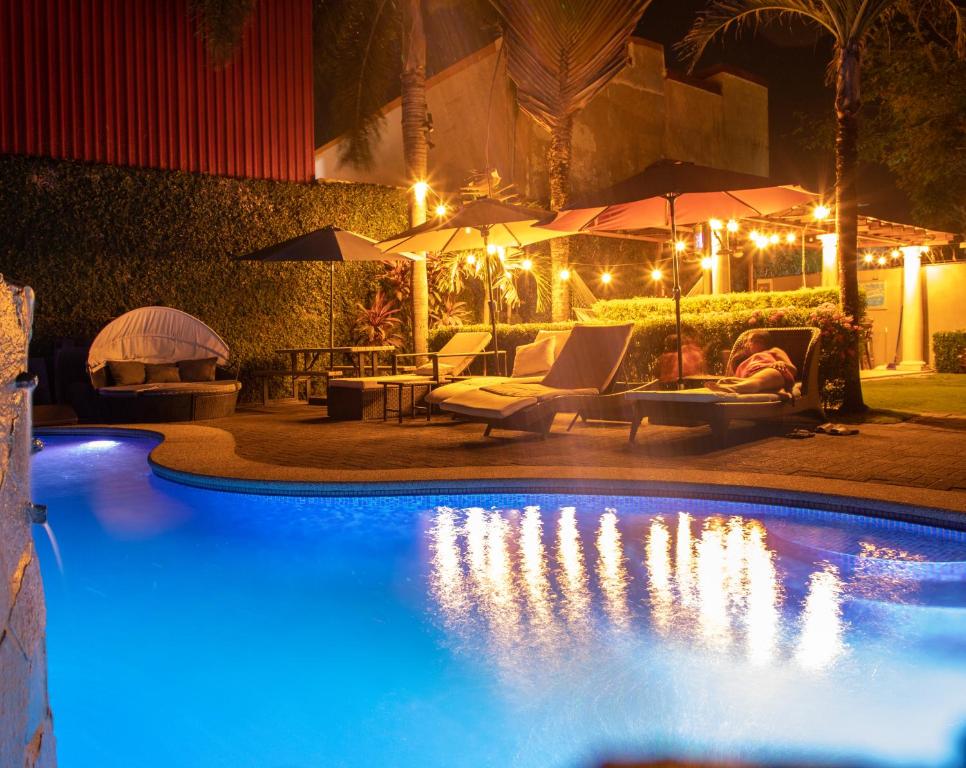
point(586, 368)
point(693, 407)
point(359, 397)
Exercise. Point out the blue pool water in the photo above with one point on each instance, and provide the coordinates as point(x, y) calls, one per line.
point(198, 628)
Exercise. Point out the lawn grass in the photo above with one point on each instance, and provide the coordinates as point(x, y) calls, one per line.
point(938, 393)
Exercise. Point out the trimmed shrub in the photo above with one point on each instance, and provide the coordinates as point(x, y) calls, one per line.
point(715, 331)
point(949, 348)
point(622, 310)
point(95, 241)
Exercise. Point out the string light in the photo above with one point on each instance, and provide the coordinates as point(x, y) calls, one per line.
point(680, 246)
point(564, 274)
point(526, 264)
point(790, 238)
point(656, 274)
point(820, 212)
point(773, 239)
point(867, 258)
point(467, 230)
point(895, 254)
point(754, 235)
point(441, 210)
point(715, 225)
point(882, 261)
point(732, 225)
point(707, 263)
point(490, 248)
point(471, 259)
point(501, 252)
point(606, 277)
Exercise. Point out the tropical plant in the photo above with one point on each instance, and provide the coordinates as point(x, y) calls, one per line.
point(850, 24)
point(559, 56)
point(446, 311)
point(378, 323)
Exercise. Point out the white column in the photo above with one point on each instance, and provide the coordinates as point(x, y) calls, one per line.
point(912, 321)
point(720, 266)
point(830, 259)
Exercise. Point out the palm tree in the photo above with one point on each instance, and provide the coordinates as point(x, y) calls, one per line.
point(560, 54)
point(850, 24)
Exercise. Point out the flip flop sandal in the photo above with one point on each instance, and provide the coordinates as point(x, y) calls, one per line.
point(825, 429)
point(799, 434)
point(842, 429)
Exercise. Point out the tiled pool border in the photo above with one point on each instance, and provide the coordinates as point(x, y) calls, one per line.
point(866, 507)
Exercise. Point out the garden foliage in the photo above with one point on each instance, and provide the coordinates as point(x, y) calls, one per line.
point(95, 241)
point(949, 348)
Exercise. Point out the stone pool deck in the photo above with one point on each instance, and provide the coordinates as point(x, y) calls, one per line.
point(917, 462)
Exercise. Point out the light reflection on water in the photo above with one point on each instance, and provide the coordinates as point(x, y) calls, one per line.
point(712, 583)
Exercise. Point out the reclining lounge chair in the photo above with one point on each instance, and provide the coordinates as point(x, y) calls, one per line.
point(693, 407)
point(360, 397)
point(586, 368)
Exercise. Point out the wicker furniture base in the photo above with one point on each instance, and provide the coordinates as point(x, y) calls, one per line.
point(353, 404)
point(160, 406)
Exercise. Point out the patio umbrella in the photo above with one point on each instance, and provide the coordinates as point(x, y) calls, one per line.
point(475, 226)
point(331, 244)
point(672, 192)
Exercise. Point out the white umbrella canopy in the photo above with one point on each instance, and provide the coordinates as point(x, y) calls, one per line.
point(477, 225)
point(474, 226)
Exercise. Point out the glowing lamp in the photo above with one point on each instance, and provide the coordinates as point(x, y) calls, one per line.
point(680, 246)
point(656, 274)
point(753, 235)
point(471, 259)
point(707, 263)
point(895, 254)
point(501, 252)
point(773, 239)
point(867, 258)
point(732, 225)
point(491, 249)
point(564, 274)
point(606, 277)
point(420, 188)
point(881, 261)
point(820, 212)
point(467, 230)
point(526, 264)
point(715, 225)
point(440, 210)
point(790, 238)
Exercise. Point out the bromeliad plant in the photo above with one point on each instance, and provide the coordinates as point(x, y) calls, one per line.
point(378, 324)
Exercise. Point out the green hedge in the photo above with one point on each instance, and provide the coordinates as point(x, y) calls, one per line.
point(949, 348)
point(622, 310)
point(716, 332)
point(95, 241)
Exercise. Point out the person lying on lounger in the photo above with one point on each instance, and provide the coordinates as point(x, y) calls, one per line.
point(760, 367)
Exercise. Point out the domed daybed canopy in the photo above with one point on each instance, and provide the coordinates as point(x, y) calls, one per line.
point(156, 335)
point(152, 338)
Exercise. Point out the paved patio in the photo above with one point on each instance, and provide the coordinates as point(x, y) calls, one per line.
point(914, 462)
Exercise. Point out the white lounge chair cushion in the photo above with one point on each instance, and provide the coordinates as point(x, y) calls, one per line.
point(536, 358)
point(703, 395)
point(222, 387)
point(559, 337)
point(468, 343)
point(503, 400)
point(445, 392)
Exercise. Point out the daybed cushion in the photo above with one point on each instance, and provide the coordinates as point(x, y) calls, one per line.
point(503, 400)
point(125, 372)
point(202, 369)
point(161, 373)
point(445, 392)
point(535, 358)
point(175, 388)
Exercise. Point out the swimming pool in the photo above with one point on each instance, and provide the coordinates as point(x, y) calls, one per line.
point(199, 628)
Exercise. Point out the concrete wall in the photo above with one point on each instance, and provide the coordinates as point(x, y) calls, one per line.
point(644, 114)
point(944, 304)
point(26, 726)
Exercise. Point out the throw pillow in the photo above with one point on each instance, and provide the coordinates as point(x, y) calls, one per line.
point(559, 336)
point(198, 370)
point(161, 373)
point(534, 359)
point(125, 372)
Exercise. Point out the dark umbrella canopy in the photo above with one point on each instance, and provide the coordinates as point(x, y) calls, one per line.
point(331, 244)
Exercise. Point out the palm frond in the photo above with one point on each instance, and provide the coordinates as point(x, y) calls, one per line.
point(561, 53)
point(722, 16)
point(221, 23)
point(357, 58)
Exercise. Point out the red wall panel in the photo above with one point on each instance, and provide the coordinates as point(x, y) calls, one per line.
point(129, 82)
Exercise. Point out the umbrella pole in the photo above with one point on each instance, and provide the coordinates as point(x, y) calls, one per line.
point(491, 305)
point(677, 291)
point(331, 309)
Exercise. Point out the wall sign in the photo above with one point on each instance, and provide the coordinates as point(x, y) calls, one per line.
point(875, 294)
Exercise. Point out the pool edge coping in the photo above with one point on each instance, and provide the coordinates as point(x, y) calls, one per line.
point(850, 497)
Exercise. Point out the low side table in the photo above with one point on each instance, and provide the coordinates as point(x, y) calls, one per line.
point(402, 384)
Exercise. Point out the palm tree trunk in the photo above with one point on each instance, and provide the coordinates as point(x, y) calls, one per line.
point(847, 102)
point(415, 151)
point(558, 162)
